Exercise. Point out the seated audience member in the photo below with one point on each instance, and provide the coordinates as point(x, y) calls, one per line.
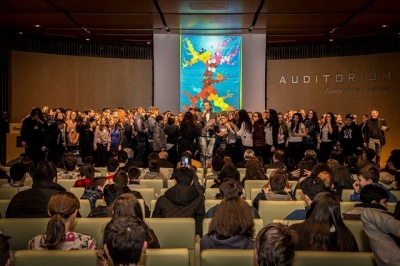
point(154, 156)
point(307, 166)
point(182, 200)
point(276, 189)
point(193, 162)
point(131, 162)
point(86, 175)
point(367, 159)
point(124, 241)
point(310, 155)
point(70, 169)
point(275, 245)
point(387, 180)
point(4, 174)
point(327, 179)
point(128, 205)
point(227, 172)
point(63, 208)
point(164, 163)
point(379, 227)
point(112, 168)
point(369, 175)
point(318, 168)
point(342, 179)
point(17, 175)
point(134, 177)
point(217, 164)
point(29, 167)
point(122, 180)
point(110, 193)
point(155, 173)
point(230, 188)
point(248, 154)
point(393, 167)
point(332, 164)
point(311, 186)
point(123, 164)
point(323, 229)
point(254, 171)
point(32, 203)
point(89, 160)
point(371, 197)
point(277, 160)
point(15, 160)
point(232, 226)
point(5, 252)
point(351, 164)
point(95, 191)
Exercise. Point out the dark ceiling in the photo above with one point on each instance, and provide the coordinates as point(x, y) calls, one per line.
point(135, 21)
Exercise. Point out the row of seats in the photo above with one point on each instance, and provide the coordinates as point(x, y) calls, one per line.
point(171, 233)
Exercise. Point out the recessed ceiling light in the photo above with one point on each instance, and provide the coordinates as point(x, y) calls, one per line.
point(87, 39)
point(331, 40)
point(385, 26)
point(37, 26)
point(20, 32)
point(148, 42)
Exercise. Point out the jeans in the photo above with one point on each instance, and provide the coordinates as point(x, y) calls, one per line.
point(206, 149)
point(375, 144)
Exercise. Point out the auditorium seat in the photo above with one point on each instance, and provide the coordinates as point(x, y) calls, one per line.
point(55, 257)
point(208, 182)
point(293, 183)
point(77, 191)
point(329, 258)
point(346, 206)
point(269, 171)
point(28, 182)
point(258, 225)
point(162, 191)
point(209, 203)
point(346, 194)
point(211, 192)
point(299, 195)
point(66, 183)
point(392, 206)
point(396, 193)
point(85, 207)
point(103, 170)
point(171, 182)
point(91, 226)
point(253, 193)
point(147, 194)
point(152, 205)
point(249, 184)
point(157, 184)
point(3, 207)
point(3, 181)
point(270, 210)
point(8, 193)
point(165, 256)
point(227, 257)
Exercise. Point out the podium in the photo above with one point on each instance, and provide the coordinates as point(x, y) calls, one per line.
point(14, 147)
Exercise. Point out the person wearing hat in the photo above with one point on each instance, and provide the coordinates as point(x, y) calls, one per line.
point(351, 137)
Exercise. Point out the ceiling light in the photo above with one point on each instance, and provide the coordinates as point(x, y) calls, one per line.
point(148, 42)
point(37, 26)
point(385, 26)
point(20, 32)
point(331, 40)
point(87, 39)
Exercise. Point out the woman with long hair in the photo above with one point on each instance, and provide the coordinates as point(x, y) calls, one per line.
point(232, 226)
point(116, 131)
point(283, 133)
point(323, 229)
point(342, 179)
point(102, 142)
point(310, 141)
point(72, 133)
point(189, 133)
point(128, 205)
point(296, 134)
point(271, 131)
point(232, 117)
point(329, 134)
point(227, 134)
point(254, 170)
point(258, 134)
point(244, 134)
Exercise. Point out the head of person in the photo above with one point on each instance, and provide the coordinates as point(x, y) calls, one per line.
point(217, 163)
point(330, 118)
point(153, 156)
point(368, 175)
point(154, 166)
point(111, 192)
point(320, 167)
point(229, 172)
point(134, 173)
point(374, 114)
point(393, 162)
point(311, 186)
point(17, 172)
point(374, 194)
point(127, 205)
point(122, 156)
point(45, 172)
point(279, 155)
point(112, 165)
point(290, 164)
point(349, 120)
point(332, 164)
point(86, 171)
point(129, 152)
point(121, 179)
point(386, 179)
point(163, 155)
point(244, 118)
point(160, 119)
point(231, 188)
point(62, 208)
point(275, 245)
point(36, 113)
point(188, 118)
point(124, 240)
point(183, 176)
point(29, 166)
point(277, 180)
point(207, 106)
point(364, 118)
point(254, 170)
point(233, 217)
point(342, 178)
point(326, 178)
point(368, 154)
point(88, 160)
point(350, 161)
point(70, 163)
point(257, 118)
point(248, 154)
point(310, 155)
point(5, 251)
point(100, 182)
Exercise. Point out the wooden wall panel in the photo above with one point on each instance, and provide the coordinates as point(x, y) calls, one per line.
point(77, 82)
point(359, 96)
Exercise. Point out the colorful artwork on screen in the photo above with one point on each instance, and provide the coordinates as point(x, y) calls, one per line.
point(211, 70)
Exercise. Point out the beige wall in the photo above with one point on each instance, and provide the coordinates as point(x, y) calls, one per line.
point(351, 87)
point(77, 82)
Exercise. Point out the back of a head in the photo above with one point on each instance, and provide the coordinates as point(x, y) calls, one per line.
point(311, 186)
point(370, 172)
point(29, 165)
point(254, 170)
point(279, 155)
point(275, 245)
point(183, 176)
point(277, 180)
point(350, 160)
point(134, 173)
point(112, 165)
point(217, 163)
point(163, 155)
point(124, 237)
point(325, 208)
point(232, 217)
point(290, 164)
point(121, 179)
point(87, 171)
point(153, 156)
point(248, 154)
point(45, 172)
point(17, 171)
point(341, 177)
point(5, 252)
point(88, 160)
point(395, 160)
point(99, 181)
point(337, 155)
point(310, 154)
point(320, 167)
point(229, 171)
point(70, 163)
point(122, 156)
point(60, 207)
point(332, 164)
point(326, 178)
point(154, 166)
point(369, 154)
point(231, 188)
point(127, 205)
point(111, 192)
point(371, 193)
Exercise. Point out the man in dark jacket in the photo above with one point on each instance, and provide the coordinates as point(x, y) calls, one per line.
point(182, 200)
point(110, 192)
point(32, 203)
point(350, 137)
point(374, 134)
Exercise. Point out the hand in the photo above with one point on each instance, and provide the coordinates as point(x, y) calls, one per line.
point(356, 186)
point(119, 147)
point(43, 149)
point(23, 144)
point(287, 143)
point(94, 147)
point(365, 144)
point(383, 128)
point(295, 173)
point(307, 173)
point(108, 148)
point(272, 148)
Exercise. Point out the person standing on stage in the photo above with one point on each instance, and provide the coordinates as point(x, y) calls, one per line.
point(374, 134)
